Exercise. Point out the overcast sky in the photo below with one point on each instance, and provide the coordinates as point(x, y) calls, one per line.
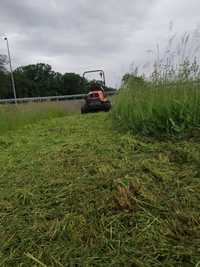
point(74, 36)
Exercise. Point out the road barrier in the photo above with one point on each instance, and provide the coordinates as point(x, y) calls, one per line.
point(46, 98)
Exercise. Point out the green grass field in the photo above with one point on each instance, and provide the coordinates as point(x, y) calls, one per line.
point(75, 192)
point(13, 117)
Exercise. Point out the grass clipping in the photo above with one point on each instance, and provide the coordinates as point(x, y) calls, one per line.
point(75, 193)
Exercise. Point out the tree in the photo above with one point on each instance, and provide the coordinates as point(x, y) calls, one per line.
point(37, 80)
point(73, 84)
point(3, 62)
point(40, 80)
point(132, 78)
point(5, 85)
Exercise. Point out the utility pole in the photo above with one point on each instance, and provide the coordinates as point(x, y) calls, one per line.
point(11, 71)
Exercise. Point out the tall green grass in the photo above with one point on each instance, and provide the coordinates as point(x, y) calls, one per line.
point(154, 108)
point(16, 116)
point(166, 102)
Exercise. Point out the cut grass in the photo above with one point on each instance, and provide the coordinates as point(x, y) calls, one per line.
point(75, 193)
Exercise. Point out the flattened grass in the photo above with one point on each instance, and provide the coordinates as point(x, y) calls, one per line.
point(75, 193)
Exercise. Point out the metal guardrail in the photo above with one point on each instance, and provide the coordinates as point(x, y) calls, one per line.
point(46, 98)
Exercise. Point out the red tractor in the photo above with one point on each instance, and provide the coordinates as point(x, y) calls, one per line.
point(96, 99)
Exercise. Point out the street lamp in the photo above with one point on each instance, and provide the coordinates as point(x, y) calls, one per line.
point(11, 71)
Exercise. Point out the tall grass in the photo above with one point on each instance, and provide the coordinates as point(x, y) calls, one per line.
point(152, 108)
point(16, 116)
point(167, 102)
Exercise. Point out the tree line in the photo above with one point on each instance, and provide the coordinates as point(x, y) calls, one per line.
point(38, 80)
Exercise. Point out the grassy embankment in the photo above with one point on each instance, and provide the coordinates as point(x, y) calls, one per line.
point(16, 116)
point(163, 108)
point(74, 192)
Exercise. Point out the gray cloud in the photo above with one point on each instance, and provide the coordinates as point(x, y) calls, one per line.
point(84, 34)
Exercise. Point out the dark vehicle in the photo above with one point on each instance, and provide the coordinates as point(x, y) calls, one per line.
point(96, 99)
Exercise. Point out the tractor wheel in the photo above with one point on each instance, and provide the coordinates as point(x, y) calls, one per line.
point(84, 110)
point(107, 106)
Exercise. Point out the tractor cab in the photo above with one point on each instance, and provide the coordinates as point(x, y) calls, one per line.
point(96, 99)
point(96, 86)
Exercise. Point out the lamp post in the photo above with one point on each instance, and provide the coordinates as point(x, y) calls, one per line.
point(11, 71)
